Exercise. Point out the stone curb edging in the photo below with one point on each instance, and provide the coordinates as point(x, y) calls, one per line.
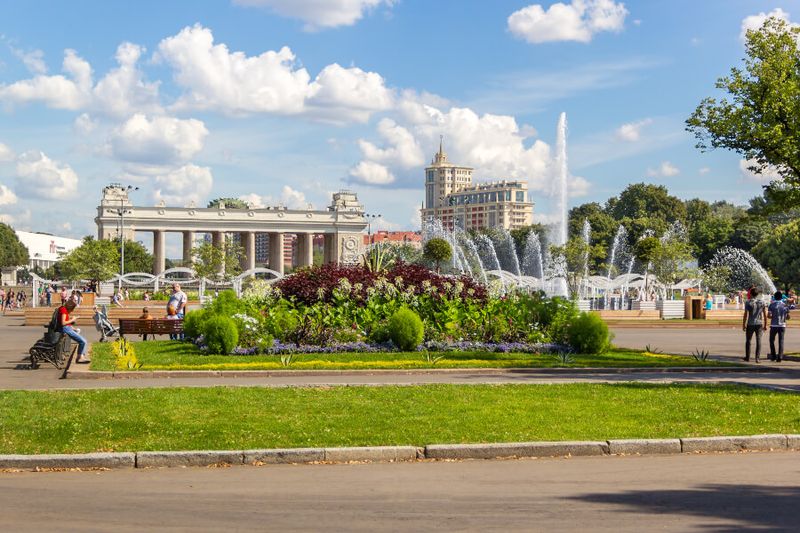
point(85, 373)
point(156, 459)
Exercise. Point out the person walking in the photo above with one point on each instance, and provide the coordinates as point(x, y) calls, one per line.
point(49, 295)
point(2, 299)
point(66, 322)
point(777, 313)
point(754, 322)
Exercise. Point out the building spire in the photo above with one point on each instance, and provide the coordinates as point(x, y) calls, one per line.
point(441, 145)
point(440, 156)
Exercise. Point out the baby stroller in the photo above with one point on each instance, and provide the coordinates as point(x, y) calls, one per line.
point(103, 324)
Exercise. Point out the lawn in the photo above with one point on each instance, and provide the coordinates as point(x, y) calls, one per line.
point(175, 355)
point(221, 418)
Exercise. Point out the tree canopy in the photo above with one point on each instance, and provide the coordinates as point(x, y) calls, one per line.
point(12, 252)
point(230, 203)
point(778, 252)
point(95, 260)
point(761, 118)
point(137, 258)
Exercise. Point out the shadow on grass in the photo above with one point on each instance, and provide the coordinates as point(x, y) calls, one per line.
point(741, 507)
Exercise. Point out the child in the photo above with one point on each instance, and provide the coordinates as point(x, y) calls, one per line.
point(172, 314)
point(145, 316)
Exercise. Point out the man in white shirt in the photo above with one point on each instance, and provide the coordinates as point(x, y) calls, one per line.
point(178, 300)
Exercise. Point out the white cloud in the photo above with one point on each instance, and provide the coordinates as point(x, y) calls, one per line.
point(157, 140)
point(372, 173)
point(401, 149)
point(6, 154)
point(754, 22)
point(769, 174)
point(183, 185)
point(577, 21)
point(632, 131)
point(704, 170)
point(319, 14)
point(120, 92)
point(214, 78)
point(289, 197)
point(664, 170)
point(41, 177)
point(33, 60)
point(84, 124)
point(7, 196)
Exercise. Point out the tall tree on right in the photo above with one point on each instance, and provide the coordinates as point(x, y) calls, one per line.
point(761, 120)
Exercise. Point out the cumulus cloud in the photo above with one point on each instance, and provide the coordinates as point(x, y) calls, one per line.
point(6, 154)
point(157, 140)
point(664, 170)
point(183, 185)
point(632, 131)
point(7, 196)
point(748, 167)
point(289, 197)
point(754, 22)
point(121, 91)
point(317, 14)
point(704, 170)
point(577, 21)
point(84, 124)
point(33, 60)
point(217, 79)
point(372, 173)
point(41, 177)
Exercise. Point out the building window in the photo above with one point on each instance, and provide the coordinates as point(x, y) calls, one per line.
point(520, 196)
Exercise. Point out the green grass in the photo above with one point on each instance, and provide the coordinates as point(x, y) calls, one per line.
point(243, 418)
point(175, 355)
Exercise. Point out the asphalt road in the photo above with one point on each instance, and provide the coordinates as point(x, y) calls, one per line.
point(737, 492)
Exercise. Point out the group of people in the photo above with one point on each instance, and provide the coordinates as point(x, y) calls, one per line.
point(176, 309)
point(757, 313)
point(10, 299)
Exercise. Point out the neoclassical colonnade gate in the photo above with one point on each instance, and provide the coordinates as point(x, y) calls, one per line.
point(342, 225)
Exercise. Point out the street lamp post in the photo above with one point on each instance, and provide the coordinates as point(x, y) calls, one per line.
point(121, 214)
point(370, 218)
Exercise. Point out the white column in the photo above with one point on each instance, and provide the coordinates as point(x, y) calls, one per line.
point(305, 249)
point(218, 241)
point(276, 252)
point(159, 253)
point(188, 244)
point(248, 241)
point(330, 252)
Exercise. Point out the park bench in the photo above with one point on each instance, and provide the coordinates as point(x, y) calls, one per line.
point(150, 326)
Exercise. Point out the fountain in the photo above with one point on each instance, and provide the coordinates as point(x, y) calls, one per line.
point(559, 237)
point(745, 271)
point(532, 261)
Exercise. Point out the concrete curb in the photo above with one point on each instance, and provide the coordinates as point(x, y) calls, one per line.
point(85, 373)
point(81, 460)
point(166, 459)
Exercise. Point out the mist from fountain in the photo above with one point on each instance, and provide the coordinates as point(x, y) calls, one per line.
point(506, 250)
point(745, 270)
point(532, 261)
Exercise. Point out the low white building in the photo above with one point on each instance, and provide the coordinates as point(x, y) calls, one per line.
point(44, 249)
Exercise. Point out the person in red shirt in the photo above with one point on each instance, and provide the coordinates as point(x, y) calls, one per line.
point(65, 321)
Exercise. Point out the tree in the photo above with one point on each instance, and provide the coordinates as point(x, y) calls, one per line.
point(670, 261)
point(644, 200)
point(137, 258)
point(95, 260)
point(748, 232)
point(12, 252)
point(708, 236)
point(520, 235)
point(761, 121)
point(779, 253)
point(215, 263)
point(437, 251)
point(230, 203)
point(576, 254)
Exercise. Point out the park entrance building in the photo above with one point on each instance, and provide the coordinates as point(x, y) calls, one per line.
point(341, 225)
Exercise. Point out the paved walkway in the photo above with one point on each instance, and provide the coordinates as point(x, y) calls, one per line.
point(723, 343)
point(736, 492)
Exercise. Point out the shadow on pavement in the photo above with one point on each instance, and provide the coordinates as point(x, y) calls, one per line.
point(745, 507)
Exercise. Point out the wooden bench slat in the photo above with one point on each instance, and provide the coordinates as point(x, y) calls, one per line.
point(153, 326)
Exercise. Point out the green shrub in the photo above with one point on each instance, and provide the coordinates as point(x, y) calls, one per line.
point(406, 329)
point(589, 334)
point(559, 316)
point(220, 334)
point(380, 334)
point(193, 323)
point(226, 303)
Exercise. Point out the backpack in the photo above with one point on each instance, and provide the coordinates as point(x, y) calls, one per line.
point(54, 328)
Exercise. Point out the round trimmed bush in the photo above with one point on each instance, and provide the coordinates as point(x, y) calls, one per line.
point(220, 334)
point(406, 329)
point(589, 334)
point(193, 323)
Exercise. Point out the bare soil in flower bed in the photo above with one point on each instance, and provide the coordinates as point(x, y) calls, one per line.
point(176, 355)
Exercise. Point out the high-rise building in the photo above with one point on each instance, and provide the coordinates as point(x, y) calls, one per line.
point(450, 196)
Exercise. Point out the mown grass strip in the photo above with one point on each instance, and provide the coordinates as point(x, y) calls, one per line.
point(225, 418)
point(173, 355)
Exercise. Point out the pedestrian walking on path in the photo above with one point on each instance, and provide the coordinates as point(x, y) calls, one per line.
point(778, 313)
point(754, 322)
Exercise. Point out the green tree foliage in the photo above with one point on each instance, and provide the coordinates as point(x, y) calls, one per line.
point(779, 253)
point(761, 120)
point(437, 251)
point(749, 231)
point(95, 260)
point(230, 203)
point(644, 200)
point(137, 258)
point(215, 263)
point(669, 261)
point(520, 235)
point(12, 252)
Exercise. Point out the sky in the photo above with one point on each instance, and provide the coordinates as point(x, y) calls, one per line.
point(287, 101)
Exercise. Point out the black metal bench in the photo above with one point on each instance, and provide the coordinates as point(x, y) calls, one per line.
point(150, 326)
point(56, 353)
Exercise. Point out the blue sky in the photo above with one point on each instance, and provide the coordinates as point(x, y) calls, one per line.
point(296, 99)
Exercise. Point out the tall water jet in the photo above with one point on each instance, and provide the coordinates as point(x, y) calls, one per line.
point(619, 241)
point(559, 237)
point(586, 235)
point(509, 252)
point(532, 261)
point(744, 270)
